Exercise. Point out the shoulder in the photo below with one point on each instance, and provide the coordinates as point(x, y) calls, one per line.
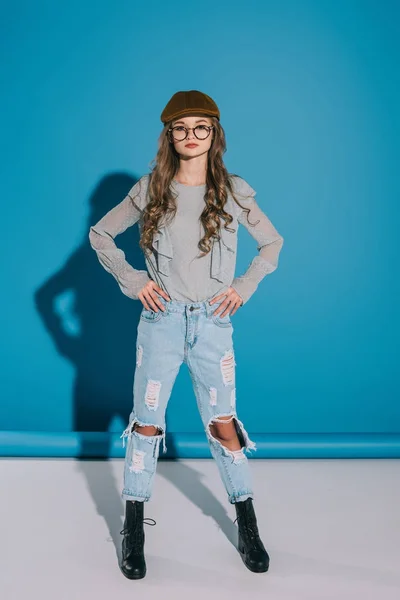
point(243, 195)
point(241, 187)
point(138, 192)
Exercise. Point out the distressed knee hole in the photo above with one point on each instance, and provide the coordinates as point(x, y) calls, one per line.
point(225, 427)
point(227, 365)
point(149, 432)
point(147, 429)
point(152, 394)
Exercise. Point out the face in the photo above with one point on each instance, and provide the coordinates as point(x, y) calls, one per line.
point(191, 146)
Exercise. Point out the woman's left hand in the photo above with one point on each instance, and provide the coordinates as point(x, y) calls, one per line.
point(231, 303)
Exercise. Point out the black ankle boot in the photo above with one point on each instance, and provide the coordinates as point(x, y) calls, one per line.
point(133, 563)
point(250, 546)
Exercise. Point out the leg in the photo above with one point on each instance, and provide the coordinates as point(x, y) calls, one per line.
point(224, 431)
point(159, 354)
point(211, 364)
point(212, 367)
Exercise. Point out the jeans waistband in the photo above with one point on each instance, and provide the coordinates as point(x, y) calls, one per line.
point(190, 307)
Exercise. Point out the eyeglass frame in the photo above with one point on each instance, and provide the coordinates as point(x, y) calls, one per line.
point(187, 129)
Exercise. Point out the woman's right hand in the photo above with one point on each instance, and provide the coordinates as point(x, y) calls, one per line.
point(148, 296)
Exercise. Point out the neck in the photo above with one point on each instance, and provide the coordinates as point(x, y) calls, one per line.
point(192, 172)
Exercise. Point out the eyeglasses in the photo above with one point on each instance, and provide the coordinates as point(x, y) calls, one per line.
point(180, 133)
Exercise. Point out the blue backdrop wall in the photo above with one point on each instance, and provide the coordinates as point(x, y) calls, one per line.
point(309, 97)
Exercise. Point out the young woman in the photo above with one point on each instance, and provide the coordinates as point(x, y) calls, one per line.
point(188, 210)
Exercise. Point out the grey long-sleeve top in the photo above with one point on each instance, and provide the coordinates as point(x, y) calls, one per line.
point(175, 265)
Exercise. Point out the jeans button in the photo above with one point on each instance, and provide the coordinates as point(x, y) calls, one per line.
point(191, 308)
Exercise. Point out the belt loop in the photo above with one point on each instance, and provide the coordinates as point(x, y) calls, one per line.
point(208, 308)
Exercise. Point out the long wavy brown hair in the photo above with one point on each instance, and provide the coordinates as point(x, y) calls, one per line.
point(161, 200)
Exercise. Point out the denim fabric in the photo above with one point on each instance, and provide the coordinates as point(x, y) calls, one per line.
point(189, 333)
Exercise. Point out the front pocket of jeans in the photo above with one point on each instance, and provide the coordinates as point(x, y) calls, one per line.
point(222, 321)
point(150, 316)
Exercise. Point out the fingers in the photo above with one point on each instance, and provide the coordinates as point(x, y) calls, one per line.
point(230, 305)
point(238, 304)
point(155, 302)
point(148, 295)
point(161, 292)
point(217, 298)
point(230, 308)
point(143, 299)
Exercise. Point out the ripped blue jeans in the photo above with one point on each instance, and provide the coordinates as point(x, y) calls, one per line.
point(190, 333)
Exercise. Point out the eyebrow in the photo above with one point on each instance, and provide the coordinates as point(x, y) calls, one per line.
point(198, 121)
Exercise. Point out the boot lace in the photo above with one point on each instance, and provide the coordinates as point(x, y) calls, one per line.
point(133, 541)
point(250, 533)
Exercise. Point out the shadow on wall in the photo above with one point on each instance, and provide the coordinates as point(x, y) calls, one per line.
point(94, 325)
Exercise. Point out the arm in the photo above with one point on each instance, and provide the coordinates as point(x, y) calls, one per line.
point(269, 244)
point(101, 237)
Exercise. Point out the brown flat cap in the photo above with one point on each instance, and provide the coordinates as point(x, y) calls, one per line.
point(192, 101)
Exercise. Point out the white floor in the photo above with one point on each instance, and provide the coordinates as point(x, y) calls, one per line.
point(331, 527)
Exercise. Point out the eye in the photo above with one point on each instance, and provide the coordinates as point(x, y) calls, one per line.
point(179, 128)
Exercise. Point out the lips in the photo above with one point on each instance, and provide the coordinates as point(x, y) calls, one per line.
point(191, 145)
